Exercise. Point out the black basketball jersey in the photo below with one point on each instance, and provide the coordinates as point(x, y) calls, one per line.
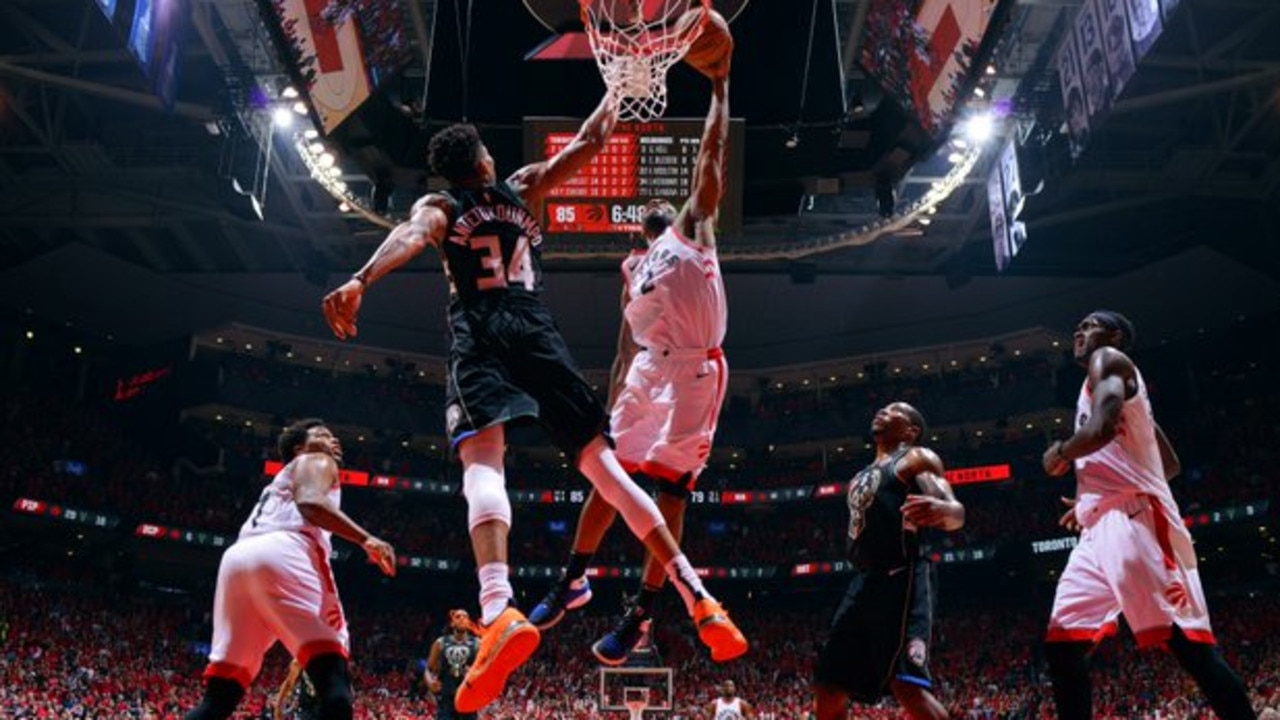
point(878, 536)
point(493, 244)
point(456, 657)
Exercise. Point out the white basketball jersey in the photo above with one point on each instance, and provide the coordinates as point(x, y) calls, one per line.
point(676, 295)
point(729, 709)
point(1130, 463)
point(276, 510)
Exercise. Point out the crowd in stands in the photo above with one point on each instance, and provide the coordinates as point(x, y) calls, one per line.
point(74, 645)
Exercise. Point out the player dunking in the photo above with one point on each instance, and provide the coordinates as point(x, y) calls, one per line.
point(507, 361)
point(879, 638)
point(451, 656)
point(1135, 556)
point(669, 377)
point(729, 706)
point(275, 583)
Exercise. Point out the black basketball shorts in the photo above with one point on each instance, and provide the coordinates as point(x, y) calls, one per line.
point(508, 362)
point(880, 633)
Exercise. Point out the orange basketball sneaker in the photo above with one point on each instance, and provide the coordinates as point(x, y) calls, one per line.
point(504, 646)
point(717, 631)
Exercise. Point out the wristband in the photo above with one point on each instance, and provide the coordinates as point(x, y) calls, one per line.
point(1057, 450)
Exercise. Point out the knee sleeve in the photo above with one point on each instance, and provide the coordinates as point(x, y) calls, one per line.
point(332, 680)
point(638, 510)
point(483, 481)
point(221, 696)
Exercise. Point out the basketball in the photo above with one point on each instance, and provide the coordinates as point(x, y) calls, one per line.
point(712, 50)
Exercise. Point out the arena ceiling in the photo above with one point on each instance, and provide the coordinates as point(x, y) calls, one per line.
point(120, 216)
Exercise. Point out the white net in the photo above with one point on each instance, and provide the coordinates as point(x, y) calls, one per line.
point(635, 43)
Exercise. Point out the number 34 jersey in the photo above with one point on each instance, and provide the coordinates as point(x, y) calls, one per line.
point(277, 510)
point(493, 244)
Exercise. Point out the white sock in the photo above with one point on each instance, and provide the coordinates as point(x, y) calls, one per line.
point(495, 591)
point(686, 581)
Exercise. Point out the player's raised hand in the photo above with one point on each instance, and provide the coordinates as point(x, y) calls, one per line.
point(1068, 520)
point(341, 307)
point(381, 554)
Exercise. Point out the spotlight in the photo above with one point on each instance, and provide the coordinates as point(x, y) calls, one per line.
point(300, 108)
point(311, 134)
point(924, 221)
point(315, 148)
point(991, 69)
point(326, 160)
point(979, 92)
point(344, 207)
point(289, 93)
point(979, 128)
point(282, 117)
point(793, 141)
point(955, 158)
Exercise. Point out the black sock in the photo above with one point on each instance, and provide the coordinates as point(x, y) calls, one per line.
point(1219, 683)
point(577, 567)
point(221, 696)
point(647, 598)
point(1069, 670)
point(332, 680)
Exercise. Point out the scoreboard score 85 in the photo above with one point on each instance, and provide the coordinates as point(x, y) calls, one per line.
point(641, 161)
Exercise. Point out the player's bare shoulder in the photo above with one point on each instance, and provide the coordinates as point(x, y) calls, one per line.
point(919, 459)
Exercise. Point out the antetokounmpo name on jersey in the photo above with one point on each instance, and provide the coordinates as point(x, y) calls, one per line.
point(482, 214)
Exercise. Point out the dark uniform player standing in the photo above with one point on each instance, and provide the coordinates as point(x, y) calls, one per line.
point(508, 362)
point(879, 638)
point(451, 656)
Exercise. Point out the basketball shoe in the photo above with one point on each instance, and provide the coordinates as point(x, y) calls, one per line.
point(565, 595)
point(717, 631)
point(617, 644)
point(504, 646)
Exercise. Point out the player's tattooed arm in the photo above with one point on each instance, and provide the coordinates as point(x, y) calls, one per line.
point(427, 224)
point(936, 504)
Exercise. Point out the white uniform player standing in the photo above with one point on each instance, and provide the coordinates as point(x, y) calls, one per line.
point(669, 377)
point(1135, 557)
point(729, 706)
point(275, 582)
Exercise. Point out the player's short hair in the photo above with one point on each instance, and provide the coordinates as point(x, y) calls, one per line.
point(1116, 321)
point(916, 418)
point(453, 152)
point(294, 435)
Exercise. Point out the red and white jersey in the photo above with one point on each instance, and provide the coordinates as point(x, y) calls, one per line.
point(676, 295)
point(729, 709)
point(276, 510)
point(1128, 465)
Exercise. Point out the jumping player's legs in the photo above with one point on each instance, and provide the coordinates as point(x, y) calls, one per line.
point(1220, 684)
point(509, 639)
point(331, 675)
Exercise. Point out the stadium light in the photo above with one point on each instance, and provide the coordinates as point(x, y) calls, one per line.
point(326, 160)
point(954, 158)
point(289, 93)
point(300, 108)
point(979, 128)
point(310, 134)
point(282, 117)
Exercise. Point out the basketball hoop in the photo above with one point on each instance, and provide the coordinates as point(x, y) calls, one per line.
point(635, 43)
point(637, 701)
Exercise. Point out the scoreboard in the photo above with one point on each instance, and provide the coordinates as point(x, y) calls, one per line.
point(642, 161)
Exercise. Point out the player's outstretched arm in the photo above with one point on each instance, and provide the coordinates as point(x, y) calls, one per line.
point(936, 505)
point(532, 182)
point(313, 476)
point(426, 226)
point(709, 173)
